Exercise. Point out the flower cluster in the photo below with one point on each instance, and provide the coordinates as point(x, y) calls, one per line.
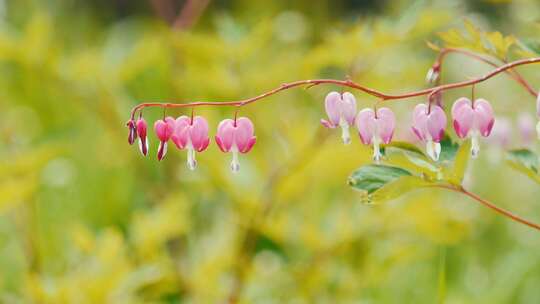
point(471, 119)
point(191, 134)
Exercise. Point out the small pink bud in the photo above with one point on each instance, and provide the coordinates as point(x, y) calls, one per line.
point(235, 136)
point(341, 111)
point(376, 128)
point(472, 119)
point(429, 127)
point(143, 139)
point(132, 131)
point(164, 129)
point(191, 134)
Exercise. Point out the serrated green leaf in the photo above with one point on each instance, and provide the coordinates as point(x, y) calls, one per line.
point(525, 161)
point(371, 178)
point(460, 163)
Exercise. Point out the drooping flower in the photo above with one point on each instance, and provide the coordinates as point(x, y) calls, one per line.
point(164, 129)
point(472, 119)
point(191, 134)
point(429, 126)
point(132, 135)
point(235, 136)
point(341, 111)
point(376, 128)
point(142, 128)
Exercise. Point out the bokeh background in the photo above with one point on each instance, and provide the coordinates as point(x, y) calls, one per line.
point(84, 218)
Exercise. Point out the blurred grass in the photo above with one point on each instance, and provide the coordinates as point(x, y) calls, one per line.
point(85, 219)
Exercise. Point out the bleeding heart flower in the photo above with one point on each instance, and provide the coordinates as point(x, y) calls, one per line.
point(164, 129)
point(235, 136)
point(191, 133)
point(429, 126)
point(142, 128)
point(376, 128)
point(132, 131)
point(341, 111)
point(472, 119)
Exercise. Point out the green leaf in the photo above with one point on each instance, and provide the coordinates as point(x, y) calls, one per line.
point(405, 146)
point(525, 161)
point(412, 162)
point(371, 178)
point(397, 188)
point(448, 149)
point(379, 183)
point(460, 163)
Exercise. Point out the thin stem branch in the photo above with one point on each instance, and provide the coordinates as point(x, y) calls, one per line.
point(345, 83)
point(512, 73)
point(493, 207)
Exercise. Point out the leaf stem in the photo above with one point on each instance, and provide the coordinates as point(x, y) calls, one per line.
point(345, 83)
point(490, 205)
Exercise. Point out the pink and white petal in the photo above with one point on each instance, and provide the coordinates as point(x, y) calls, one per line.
point(203, 146)
point(162, 150)
point(180, 137)
point(198, 132)
point(483, 116)
point(220, 144)
point(249, 145)
point(418, 133)
point(142, 127)
point(419, 121)
point(484, 105)
point(348, 107)
point(171, 124)
point(160, 127)
point(245, 124)
point(386, 124)
point(459, 104)
point(366, 125)
point(243, 133)
point(463, 120)
point(332, 106)
point(182, 121)
point(181, 133)
point(327, 124)
point(436, 123)
point(225, 134)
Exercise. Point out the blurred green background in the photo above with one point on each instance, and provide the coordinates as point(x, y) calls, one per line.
point(84, 218)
